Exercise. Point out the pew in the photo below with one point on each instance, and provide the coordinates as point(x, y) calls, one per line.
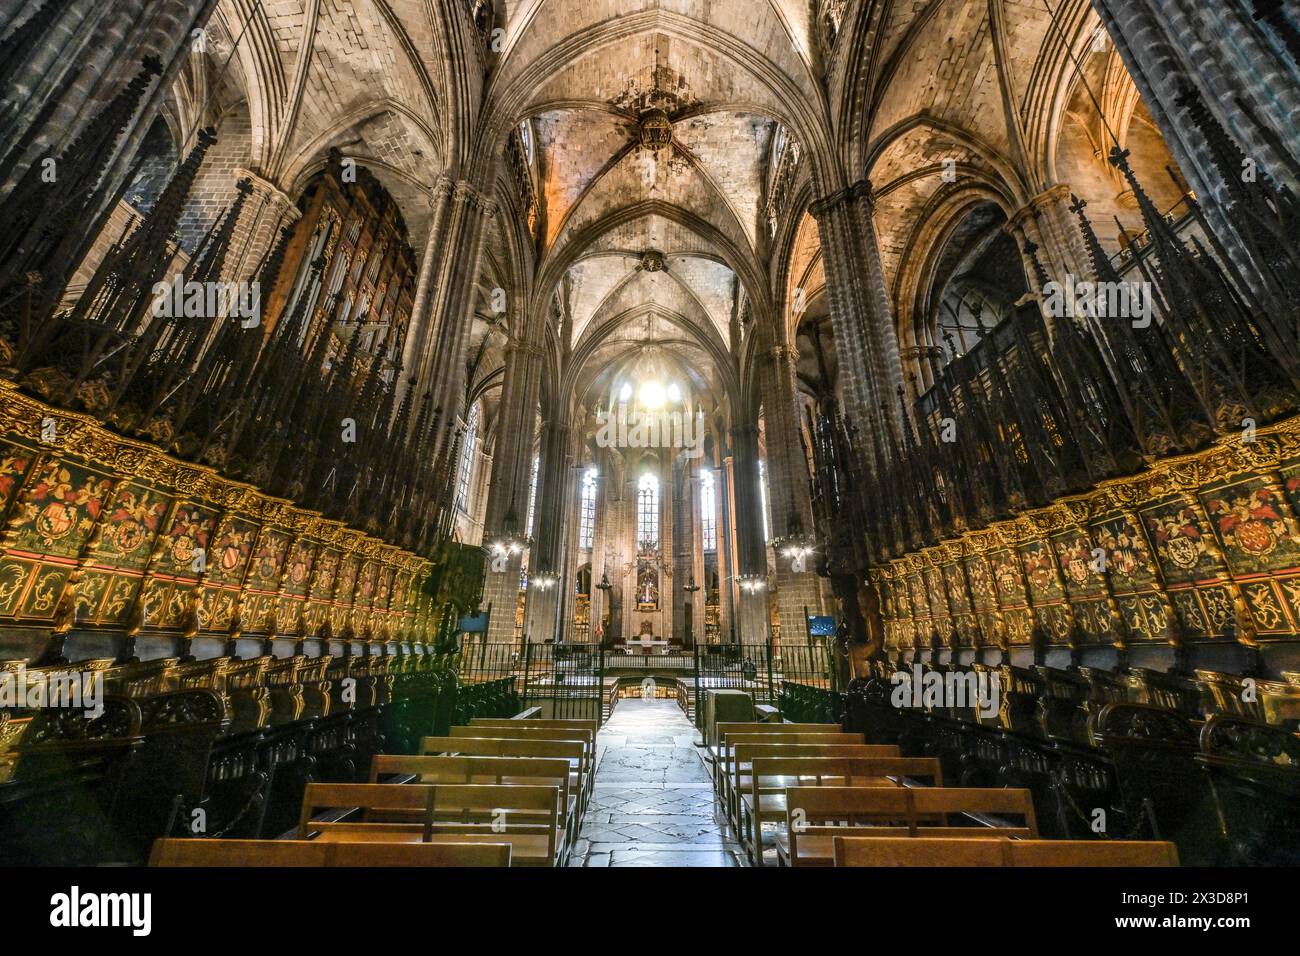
point(714, 752)
point(488, 813)
point(520, 731)
point(389, 812)
point(314, 853)
point(1163, 793)
point(724, 770)
point(526, 817)
point(1124, 740)
point(815, 815)
point(566, 723)
point(570, 750)
point(1254, 776)
point(744, 748)
point(463, 769)
point(765, 800)
point(999, 852)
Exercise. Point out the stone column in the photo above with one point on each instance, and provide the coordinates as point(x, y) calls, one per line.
point(626, 583)
point(723, 556)
point(729, 547)
point(789, 497)
point(751, 550)
point(542, 610)
point(1047, 222)
point(442, 314)
point(419, 335)
point(599, 599)
point(266, 212)
point(75, 56)
point(861, 313)
point(507, 501)
point(685, 545)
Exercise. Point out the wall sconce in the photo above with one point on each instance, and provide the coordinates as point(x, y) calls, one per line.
point(752, 583)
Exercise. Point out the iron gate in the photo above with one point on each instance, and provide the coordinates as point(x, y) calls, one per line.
point(746, 667)
point(760, 669)
point(570, 678)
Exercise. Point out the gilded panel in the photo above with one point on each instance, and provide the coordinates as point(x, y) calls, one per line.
point(15, 461)
point(59, 509)
point(1078, 564)
point(15, 575)
point(1006, 575)
point(325, 572)
point(1040, 571)
point(1128, 558)
point(43, 595)
point(135, 514)
point(298, 567)
point(232, 547)
point(983, 594)
point(191, 530)
point(1249, 519)
point(955, 586)
point(366, 584)
point(119, 593)
point(1180, 536)
point(1018, 624)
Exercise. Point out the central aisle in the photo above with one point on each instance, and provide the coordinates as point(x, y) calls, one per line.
point(653, 802)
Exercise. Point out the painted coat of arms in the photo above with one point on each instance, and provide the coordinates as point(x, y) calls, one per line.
point(1250, 520)
point(60, 510)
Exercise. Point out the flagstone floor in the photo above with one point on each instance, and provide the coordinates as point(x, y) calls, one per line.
point(653, 803)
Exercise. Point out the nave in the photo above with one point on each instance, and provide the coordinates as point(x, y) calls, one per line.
point(389, 388)
point(653, 803)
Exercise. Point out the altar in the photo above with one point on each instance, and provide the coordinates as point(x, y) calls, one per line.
point(645, 645)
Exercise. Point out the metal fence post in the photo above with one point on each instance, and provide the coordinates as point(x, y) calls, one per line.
point(698, 708)
point(528, 656)
point(600, 687)
point(771, 683)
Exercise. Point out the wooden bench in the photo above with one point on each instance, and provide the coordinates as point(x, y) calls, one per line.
point(1000, 852)
point(490, 813)
point(573, 751)
point(743, 748)
point(526, 817)
point(724, 767)
point(879, 812)
point(713, 753)
point(389, 812)
point(522, 730)
point(314, 853)
point(765, 802)
point(465, 769)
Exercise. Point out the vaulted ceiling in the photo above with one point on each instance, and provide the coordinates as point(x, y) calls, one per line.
point(687, 229)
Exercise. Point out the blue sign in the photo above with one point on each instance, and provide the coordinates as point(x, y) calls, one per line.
point(821, 625)
point(474, 623)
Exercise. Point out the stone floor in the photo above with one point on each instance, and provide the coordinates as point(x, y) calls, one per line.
point(653, 803)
